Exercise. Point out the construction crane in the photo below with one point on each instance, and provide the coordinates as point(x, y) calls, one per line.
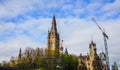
point(105, 37)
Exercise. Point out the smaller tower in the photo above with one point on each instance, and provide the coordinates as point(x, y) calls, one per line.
point(95, 62)
point(20, 55)
point(115, 67)
point(92, 48)
point(66, 52)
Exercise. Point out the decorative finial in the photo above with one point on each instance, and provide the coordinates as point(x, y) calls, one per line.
point(91, 39)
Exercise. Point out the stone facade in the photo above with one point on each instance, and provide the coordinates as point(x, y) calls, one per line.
point(90, 61)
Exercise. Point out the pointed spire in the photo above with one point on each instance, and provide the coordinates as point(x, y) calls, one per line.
point(20, 54)
point(92, 43)
point(53, 28)
point(20, 50)
point(66, 51)
point(91, 39)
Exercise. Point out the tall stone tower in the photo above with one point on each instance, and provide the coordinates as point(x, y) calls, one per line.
point(94, 60)
point(53, 40)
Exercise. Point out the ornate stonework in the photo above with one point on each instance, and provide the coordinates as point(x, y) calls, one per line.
point(90, 61)
point(53, 40)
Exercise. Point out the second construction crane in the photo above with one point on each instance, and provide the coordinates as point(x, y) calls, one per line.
point(105, 37)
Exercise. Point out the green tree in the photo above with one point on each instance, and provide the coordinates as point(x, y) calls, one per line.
point(40, 62)
point(34, 60)
point(68, 62)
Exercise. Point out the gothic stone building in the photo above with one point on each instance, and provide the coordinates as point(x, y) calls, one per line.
point(90, 61)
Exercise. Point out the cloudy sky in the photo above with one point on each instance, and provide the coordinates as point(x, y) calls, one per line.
point(25, 23)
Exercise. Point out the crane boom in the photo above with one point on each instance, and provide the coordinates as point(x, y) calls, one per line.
point(105, 36)
point(97, 24)
point(100, 29)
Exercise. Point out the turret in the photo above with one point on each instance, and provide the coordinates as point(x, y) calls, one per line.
point(20, 55)
point(66, 52)
point(92, 48)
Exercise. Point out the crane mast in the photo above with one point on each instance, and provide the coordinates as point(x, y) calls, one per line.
point(105, 37)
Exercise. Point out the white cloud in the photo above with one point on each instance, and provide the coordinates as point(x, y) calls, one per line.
point(111, 9)
point(17, 37)
point(14, 8)
point(6, 27)
point(110, 6)
point(75, 32)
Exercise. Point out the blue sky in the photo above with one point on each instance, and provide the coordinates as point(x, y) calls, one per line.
point(25, 23)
